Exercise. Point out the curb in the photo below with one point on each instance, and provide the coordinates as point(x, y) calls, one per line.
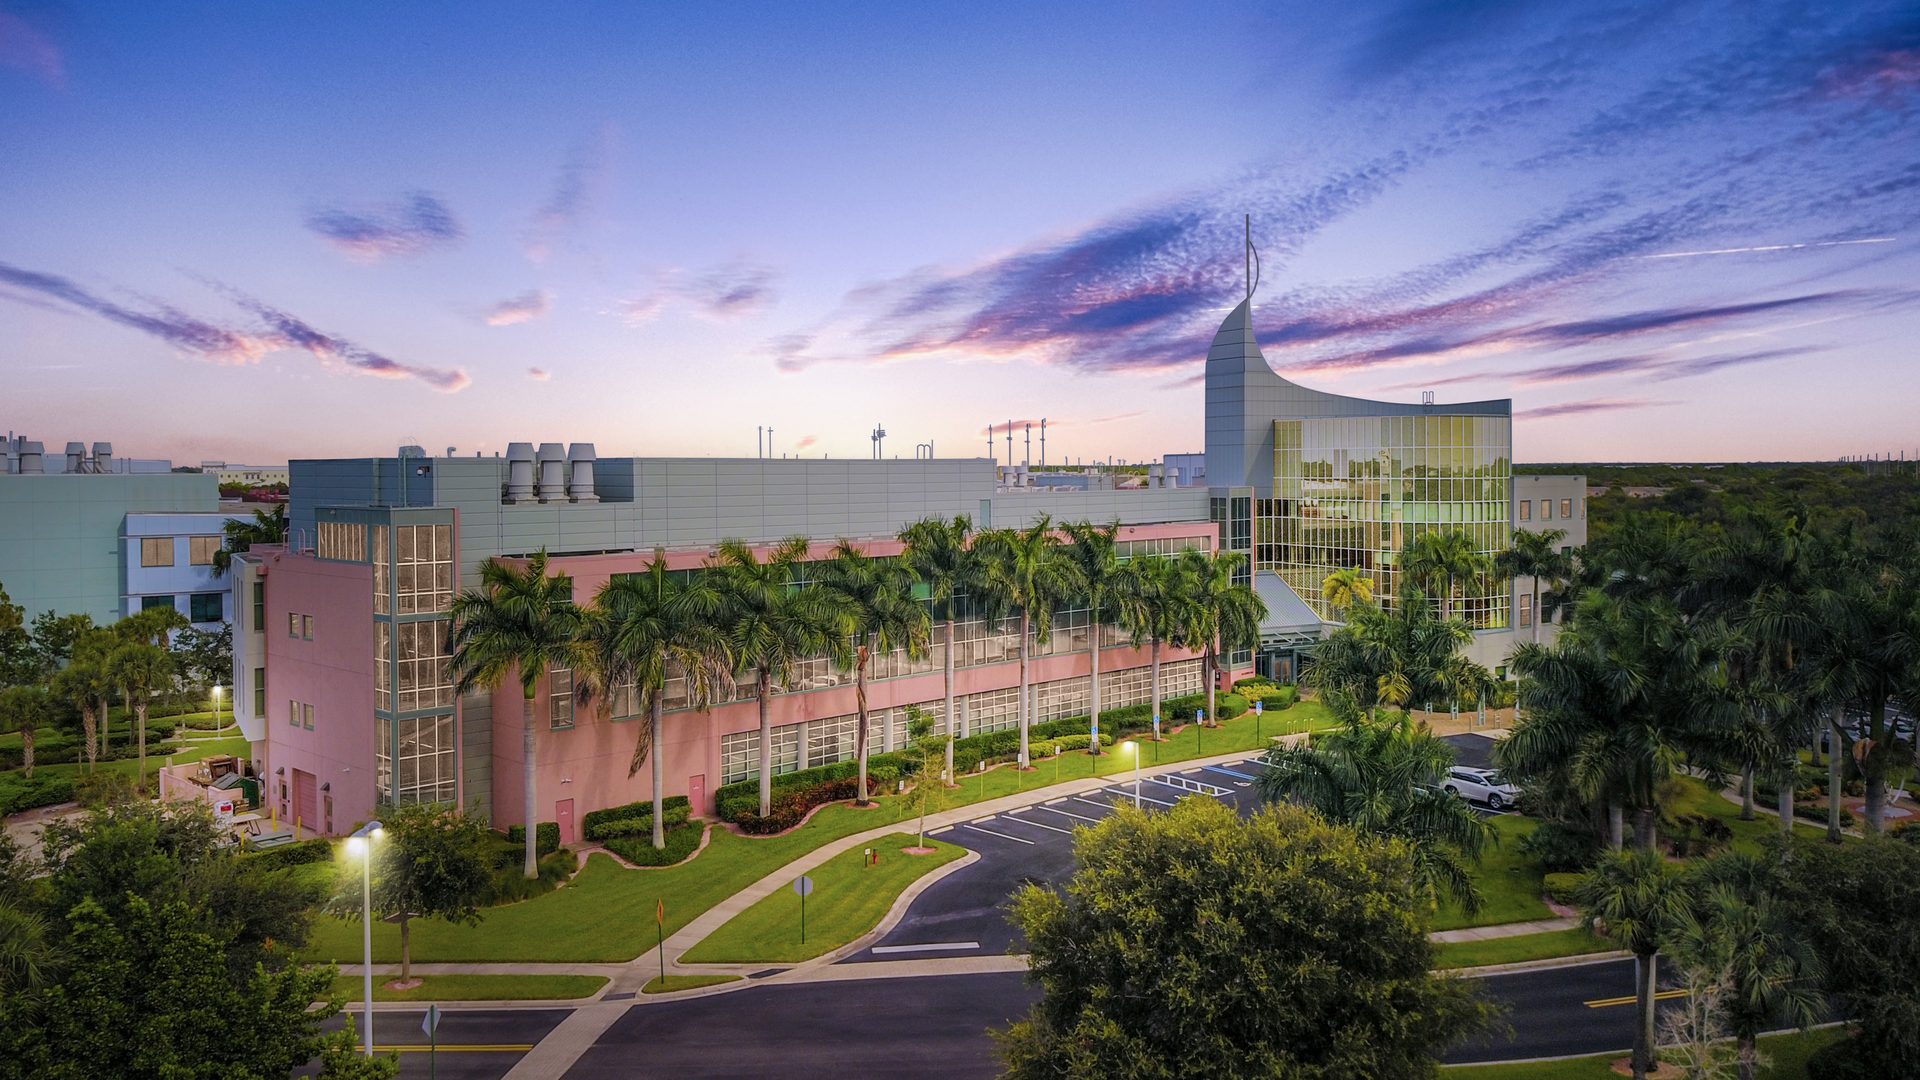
point(1545, 963)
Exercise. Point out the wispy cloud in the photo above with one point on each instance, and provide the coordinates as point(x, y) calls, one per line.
point(277, 330)
point(1656, 366)
point(539, 374)
point(526, 307)
point(806, 441)
point(1575, 408)
point(24, 48)
point(416, 224)
point(576, 188)
point(732, 290)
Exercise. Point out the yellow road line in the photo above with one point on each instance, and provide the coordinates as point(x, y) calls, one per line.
point(457, 1048)
point(1664, 995)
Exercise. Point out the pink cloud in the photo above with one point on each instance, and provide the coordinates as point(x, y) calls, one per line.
point(539, 374)
point(27, 49)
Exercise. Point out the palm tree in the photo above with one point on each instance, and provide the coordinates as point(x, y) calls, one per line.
point(27, 957)
point(1638, 897)
point(1027, 570)
point(1535, 556)
point(1096, 557)
point(140, 669)
point(93, 652)
point(773, 623)
point(155, 625)
point(269, 526)
point(21, 709)
point(1386, 659)
point(83, 684)
point(642, 628)
point(939, 553)
point(521, 622)
point(1735, 936)
point(1439, 562)
point(1225, 615)
point(878, 610)
point(1383, 778)
point(1344, 589)
point(1153, 604)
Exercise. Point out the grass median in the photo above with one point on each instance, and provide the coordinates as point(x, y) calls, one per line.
point(606, 914)
point(1521, 947)
point(1510, 883)
point(675, 983)
point(849, 898)
point(477, 988)
point(1787, 1060)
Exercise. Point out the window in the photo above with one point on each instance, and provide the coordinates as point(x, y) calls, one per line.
point(342, 540)
point(1526, 509)
point(293, 625)
point(559, 698)
point(423, 568)
point(207, 607)
point(148, 603)
point(156, 551)
point(293, 713)
point(1566, 509)
point(423, 770)
point(306, 628)
point(260, 691)
point(306, 715)
point(1546, 509)
point(421, 679)
point(1526, 610)
point(259, 606)
point(200, 550)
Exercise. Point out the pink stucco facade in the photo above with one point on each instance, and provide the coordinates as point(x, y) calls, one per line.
point(320, 777)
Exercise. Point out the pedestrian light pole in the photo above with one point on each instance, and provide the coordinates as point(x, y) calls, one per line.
point(360, 845)
point(216, 706)
point(1133, 747)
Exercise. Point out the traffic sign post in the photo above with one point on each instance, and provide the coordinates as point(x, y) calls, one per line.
point(1256, 720)
point(431, 1025)
point(660, 937)
point(1199, 721)
point(803, 885)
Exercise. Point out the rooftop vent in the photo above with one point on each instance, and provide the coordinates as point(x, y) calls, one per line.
point(553, 472)
point(519, 472)
point(580, 459)
point(103, 457)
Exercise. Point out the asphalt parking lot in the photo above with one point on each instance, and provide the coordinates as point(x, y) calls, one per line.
point(965, 913)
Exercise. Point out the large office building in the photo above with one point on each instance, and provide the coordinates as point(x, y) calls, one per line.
point(88, 533)
point(341, 665)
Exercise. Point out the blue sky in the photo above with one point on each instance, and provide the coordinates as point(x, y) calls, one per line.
point(251, 232)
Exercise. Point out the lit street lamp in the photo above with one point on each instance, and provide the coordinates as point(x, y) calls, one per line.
point(1134, 748)
point(360, 845)
point(216, 706)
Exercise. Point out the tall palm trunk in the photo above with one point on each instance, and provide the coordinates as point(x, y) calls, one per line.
point(1645, 978)
point(1786, 804)
point(654, 717)
point(1025, 674)
point(26, 750)
point(1749, 1054)
point(764, 683)
point(860, 714)
point(140, 729)
point(1873, 770)
point(1616, 824)
point(1213, 680)
point(531, 803)
point(1643, 828)
point(1746, 794)
point(952, 718)
point(1536, 610)
point(1156, 689)
point(1833, 777)
point(87, 723)
point(1093, 717)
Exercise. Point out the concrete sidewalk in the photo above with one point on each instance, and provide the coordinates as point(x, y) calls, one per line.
point(1503, 930)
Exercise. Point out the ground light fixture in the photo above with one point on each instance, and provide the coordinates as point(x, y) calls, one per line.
point(1133, 747)
point(360, 846)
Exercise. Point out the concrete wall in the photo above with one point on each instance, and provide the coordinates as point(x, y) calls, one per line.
point(334, 673)
point(60, 534)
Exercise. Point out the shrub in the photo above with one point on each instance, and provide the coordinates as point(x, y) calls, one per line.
point(791, 806)
point(594, 818)
point(298, 853)
point(1697, 834)
point(1560, 888)
point(1077, 742)
point(545, 841)
point(1560, 848)
point(682, 841)
point(47, 789)
point(511, 885)
point(638, 826)
point(1817, 812)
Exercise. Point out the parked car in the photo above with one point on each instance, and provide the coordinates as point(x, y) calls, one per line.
point(1481, 785)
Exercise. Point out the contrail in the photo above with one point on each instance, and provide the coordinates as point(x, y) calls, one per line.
point(1768, 247)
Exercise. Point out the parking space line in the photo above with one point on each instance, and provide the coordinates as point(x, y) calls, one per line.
point(1065, 813)
point(1090, 802)
point(1039, 825)
point(1127, 796)
point(938, 831)
point(933, 946)
point(1229, 772)
point(1001, 835)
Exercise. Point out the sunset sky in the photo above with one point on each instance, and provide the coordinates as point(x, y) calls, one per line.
point(261, 231)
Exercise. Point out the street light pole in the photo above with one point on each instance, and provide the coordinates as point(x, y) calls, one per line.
point(361, 843)
point(216, 706)
point(1134, 747)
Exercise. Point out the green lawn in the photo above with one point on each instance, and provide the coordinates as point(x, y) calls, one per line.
point(849, 898)
point(1787, 1060)
point(477, 988)
point(194, 751)
point(1696, 797)
point(685, 982)
point(1512, 950)
point(1510, 884)
point(607, 913)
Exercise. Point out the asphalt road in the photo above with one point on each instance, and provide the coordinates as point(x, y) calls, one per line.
point(474, 1044)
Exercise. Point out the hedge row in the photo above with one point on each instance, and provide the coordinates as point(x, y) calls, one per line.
point(638, 826)
point(46, 789)
point(298, 853)
point(596, 818)
point(790, 807)
point(681, 842)
point(545, 841)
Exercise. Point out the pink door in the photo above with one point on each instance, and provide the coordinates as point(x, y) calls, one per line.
point(306, 802)
point(697, 793)
point(563, 813)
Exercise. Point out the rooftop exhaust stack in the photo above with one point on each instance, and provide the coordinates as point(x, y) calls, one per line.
point(580, 459)
point(103, 457)
point(553, 472)
point(31, 454)
point(76, 455)
point(519, 472)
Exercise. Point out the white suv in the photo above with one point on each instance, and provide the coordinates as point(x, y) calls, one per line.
point(1481, 785)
